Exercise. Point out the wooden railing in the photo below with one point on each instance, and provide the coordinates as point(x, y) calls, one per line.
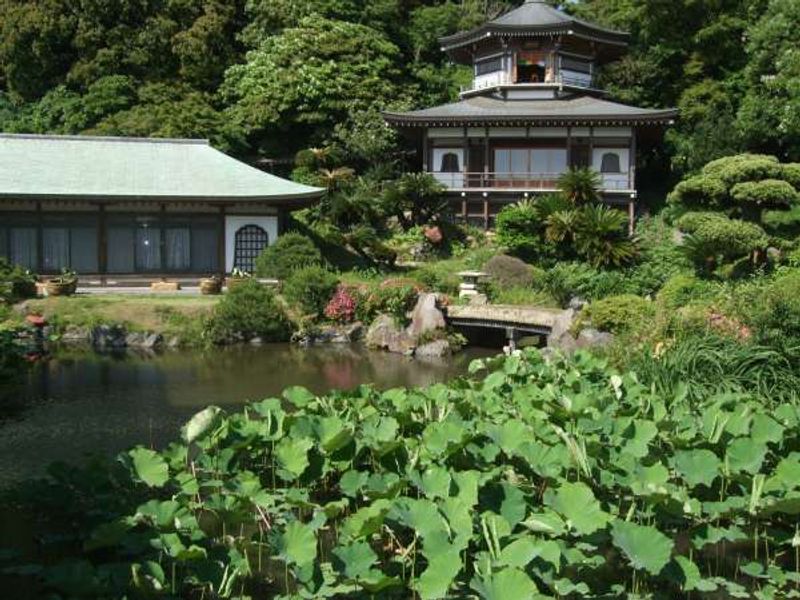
point(520, 181)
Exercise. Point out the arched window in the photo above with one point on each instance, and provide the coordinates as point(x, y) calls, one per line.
point(610, 163)
point(250, 240)
point(450, 163)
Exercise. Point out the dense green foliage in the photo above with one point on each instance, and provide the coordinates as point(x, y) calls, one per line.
point(291, 251)
point(310, 289)
point(249, 310)
point(543, 480)
point(618, 314)
point(507, 271)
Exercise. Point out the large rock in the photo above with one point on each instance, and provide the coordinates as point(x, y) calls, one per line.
point(426, 316)
point(76, 335)
point(385, 334)
point(560, 337)
point(435, 349)
point(109, 337)
point(593, 339)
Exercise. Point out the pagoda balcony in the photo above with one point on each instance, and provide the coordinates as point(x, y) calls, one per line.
point(523, 182)
point(506, 80)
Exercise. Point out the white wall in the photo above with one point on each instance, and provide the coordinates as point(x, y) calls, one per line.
point(233, 224)
point(450, 180)
point(613, 181)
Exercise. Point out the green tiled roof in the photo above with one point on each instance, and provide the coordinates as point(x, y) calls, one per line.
point(574, 110)
point(107, 168)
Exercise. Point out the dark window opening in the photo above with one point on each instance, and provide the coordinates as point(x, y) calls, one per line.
point(531, 67)
point(610, 163)
point(250, 241)
point(450, 163)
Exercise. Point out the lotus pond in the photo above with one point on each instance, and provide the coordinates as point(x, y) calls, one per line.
point(531, 479)
point(79, 402)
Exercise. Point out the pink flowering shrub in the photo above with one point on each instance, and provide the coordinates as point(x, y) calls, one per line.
point(342, 307)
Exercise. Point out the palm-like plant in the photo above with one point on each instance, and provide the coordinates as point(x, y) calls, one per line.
point(332, 179)
point(580, 185)
point(562, 225)
point(600, 236)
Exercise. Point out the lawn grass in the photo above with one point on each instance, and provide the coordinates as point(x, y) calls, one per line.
point(181, 316)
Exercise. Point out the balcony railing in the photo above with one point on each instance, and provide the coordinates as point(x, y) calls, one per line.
point(492, 80)
point(521, 181)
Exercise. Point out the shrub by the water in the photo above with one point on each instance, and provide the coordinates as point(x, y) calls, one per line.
point(310, 289)
point(619, 314)
point(250, 310)
point(291, 251)
point(342, 307)
point(546, 479)
point(508, 271)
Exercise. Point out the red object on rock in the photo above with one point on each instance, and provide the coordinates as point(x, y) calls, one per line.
point(36, 320)
point(433, 234)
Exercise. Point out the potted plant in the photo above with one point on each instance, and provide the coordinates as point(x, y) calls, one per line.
point(237, 277)
point(64, 285)
point(211, 286)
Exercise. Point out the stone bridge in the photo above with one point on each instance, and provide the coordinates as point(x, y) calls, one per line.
point(517, 321)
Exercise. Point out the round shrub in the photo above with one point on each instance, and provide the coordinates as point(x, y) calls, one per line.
point(342, 307)
point(619, 314)
point(249, 310)
point(699, 190)
point(508, 271)
point(681, 290)
point(768, 193)
point(791, 173)
point(519, 229)
point(310, 288)
point(290, 252)
point(725, 237)
point(691, 221)
point(716, 168)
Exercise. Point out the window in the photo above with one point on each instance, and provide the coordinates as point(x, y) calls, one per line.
point(249, 242)
point(530, 160)
point(610, 163)
point(204, 249)
point(177, 243)
point(450, 163)
point(55, 248)
point(531, 67)
point(148, 248)
point(23, 247)
point(120, 249)
point(578, 66)
point(490, 65)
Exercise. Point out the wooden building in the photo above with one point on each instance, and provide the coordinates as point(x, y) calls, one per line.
point(533, 111)
point(133, 206)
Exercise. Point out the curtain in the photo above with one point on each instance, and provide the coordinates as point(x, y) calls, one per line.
point(4, 243)
point(120, 250)
point(55, 248)
point(23, 247)
point(204, 250)
point(83, 249)
point(148, 249)
point(178, 245)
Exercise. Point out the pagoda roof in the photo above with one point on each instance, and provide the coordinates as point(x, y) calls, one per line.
point(117, 168)
point(573, 110)
point(535, 18)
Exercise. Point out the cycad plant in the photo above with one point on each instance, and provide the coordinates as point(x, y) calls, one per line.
point(581, 185)
point(601, 238)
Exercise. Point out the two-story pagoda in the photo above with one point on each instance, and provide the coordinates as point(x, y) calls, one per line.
point(532, 112)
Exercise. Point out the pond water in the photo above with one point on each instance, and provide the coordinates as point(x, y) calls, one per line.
point(78, 403)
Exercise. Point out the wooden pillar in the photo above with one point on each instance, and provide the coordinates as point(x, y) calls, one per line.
point(486, 158)
point(466, 158)
point(464, 210)
point(569, 147)
point(632, 162)
point(631, 217)
point(486, 212)
point(39, 238)
point(162, 226)
point(102, 241)
point(425, 153)
point(591, 147)
point(221, 266)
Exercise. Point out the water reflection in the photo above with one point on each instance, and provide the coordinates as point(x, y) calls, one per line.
point(79, 403)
